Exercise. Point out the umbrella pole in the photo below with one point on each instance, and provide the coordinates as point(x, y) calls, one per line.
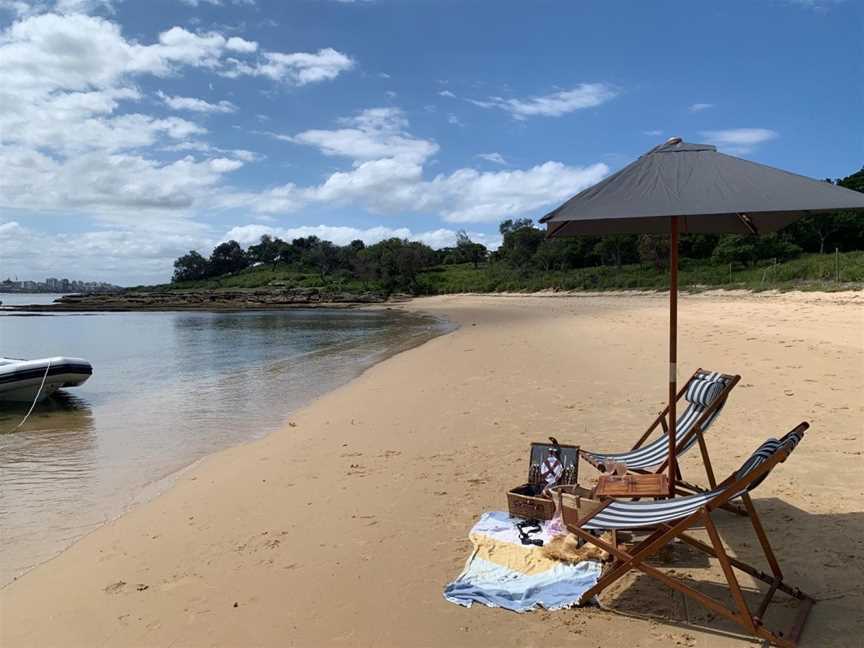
point(673, 348)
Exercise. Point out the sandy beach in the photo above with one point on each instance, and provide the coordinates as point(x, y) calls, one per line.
point(342, 528)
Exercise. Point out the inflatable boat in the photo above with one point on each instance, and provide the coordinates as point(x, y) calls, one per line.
point(22, 380)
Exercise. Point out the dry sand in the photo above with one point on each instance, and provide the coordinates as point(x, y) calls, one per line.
point(343, 528)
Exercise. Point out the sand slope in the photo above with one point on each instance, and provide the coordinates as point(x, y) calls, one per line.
point(343, 528)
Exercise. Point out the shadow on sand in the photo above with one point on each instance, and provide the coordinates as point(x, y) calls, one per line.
point(822, 554)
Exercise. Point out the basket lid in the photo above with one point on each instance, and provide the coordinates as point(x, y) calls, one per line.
point(568, 455)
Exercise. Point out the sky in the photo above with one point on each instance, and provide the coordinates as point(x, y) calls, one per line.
point(133, 131)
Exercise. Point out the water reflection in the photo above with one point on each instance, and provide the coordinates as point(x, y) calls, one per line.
point(167, 389)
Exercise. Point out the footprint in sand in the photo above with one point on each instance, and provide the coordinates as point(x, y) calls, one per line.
point(115, 588)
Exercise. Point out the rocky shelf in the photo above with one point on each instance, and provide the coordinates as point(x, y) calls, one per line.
point(257, 298)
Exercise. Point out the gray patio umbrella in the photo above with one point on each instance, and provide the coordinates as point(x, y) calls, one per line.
point(691, 188)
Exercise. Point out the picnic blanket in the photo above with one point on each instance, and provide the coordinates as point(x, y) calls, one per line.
point(502, 572)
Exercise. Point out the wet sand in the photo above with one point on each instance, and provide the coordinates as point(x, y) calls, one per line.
point(343, 527)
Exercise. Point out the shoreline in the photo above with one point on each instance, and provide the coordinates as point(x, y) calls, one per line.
point(235, 301)
point(145, 493)
point(474, 388)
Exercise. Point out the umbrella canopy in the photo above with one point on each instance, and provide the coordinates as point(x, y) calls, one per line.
point(679, 187)
point(710, 192)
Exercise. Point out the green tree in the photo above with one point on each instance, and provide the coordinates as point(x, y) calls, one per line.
point(396, 263)
point(266, 250)
point(520, 242)
point(226, 258)
point(617, 248)
point(468, 251)
point(191, 267)
point(324, 257)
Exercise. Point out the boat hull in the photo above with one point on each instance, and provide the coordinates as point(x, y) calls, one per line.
point(20, 380)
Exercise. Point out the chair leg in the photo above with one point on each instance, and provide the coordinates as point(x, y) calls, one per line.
point(746, 619)
point(763, 538)
point(706, 460)
point(645, 549)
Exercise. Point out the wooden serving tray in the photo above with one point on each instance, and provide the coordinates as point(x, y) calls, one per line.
point(654, 485)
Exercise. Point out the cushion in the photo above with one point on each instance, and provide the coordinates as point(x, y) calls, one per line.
point(703, 392)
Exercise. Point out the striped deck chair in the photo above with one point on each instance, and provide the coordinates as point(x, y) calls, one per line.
point(667, 520)
point(706, 393)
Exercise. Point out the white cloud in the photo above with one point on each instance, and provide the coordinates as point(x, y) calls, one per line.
point(102, 254)
point(821, 6)
point(585, 95)
point(387, 176)
point(298, 68)
point(447, 93)
point(342, 235)
point(372, 134)
point(83, 6)
point(196, 105)
point(739, 140)
point(496, 158)
point(69, 140)
point(18, 8)
point(454, 119)
point(391, 185)
point(653, 133)
point(699, 107)
point(218, 3)
point(111, 186)
point(237, 44)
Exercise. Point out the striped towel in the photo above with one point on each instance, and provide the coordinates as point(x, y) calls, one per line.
point(502, 572)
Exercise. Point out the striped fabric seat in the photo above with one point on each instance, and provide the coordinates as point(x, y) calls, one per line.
point(634, 515)
point(701, 392)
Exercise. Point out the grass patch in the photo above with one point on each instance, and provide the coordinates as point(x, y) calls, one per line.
point(807, 272)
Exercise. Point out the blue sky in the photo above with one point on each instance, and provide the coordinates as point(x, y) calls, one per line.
point(132, 131)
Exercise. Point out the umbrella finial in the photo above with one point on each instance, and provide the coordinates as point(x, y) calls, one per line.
point(672, 141)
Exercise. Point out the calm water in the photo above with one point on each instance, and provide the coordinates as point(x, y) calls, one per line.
point(167, 389)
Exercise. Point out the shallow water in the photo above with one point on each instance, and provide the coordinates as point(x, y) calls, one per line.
point(167, 389)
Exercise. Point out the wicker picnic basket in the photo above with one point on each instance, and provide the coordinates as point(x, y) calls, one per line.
point(526, 501)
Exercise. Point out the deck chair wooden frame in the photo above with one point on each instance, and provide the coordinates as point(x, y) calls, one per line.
point(737, 485)
point(696, 432)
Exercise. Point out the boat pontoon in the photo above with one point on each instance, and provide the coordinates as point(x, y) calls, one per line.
point(20, 380)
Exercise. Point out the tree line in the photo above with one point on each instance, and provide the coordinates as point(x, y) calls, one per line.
point(391, 265)
point(395, 264)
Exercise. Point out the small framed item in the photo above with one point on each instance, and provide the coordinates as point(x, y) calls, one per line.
point(550, 464)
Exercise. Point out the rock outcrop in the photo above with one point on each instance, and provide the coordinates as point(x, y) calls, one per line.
point(219, 299)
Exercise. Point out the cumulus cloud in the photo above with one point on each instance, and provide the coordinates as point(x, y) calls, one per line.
point(495, 158)
point(391, 185)
point(196, 105)
point(114, 185)
point(70, 139)
point(387, 176)
point(372, 134)
point(447, 93)
point(217, 3)
point(739, 140)
point(343, 235)
point(102, 254)
point(699, 107)
point(298, 68)
point(585, 95)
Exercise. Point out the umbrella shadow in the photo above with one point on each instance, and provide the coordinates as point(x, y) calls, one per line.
point(822, 554)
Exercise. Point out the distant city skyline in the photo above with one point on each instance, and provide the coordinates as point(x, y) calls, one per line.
point(54, 284)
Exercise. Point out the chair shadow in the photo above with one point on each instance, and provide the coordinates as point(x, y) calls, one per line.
point(822, 554)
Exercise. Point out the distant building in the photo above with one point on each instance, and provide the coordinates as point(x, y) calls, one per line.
point(54, 285)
